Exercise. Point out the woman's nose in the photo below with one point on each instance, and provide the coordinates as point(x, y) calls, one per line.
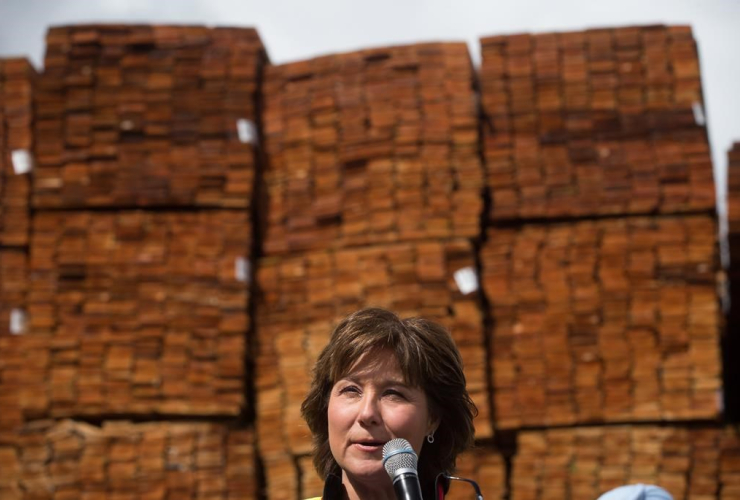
point(369, 410)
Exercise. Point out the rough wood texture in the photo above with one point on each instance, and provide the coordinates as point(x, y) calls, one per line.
point(13, 287)
point(121, 460)
point(17, 80)
point(697, 463)
point(606, 121)
point(137, 312)
point(609, 320)
point(486, 466)
point(370, 147)
point(281, 476)
point(301, 299)
point(312, 485)
point(146, 116)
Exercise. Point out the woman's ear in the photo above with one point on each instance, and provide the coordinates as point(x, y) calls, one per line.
point(433, 425)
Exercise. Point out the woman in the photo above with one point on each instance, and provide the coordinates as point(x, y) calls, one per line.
point(380, 378)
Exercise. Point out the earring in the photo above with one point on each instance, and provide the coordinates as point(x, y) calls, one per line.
point(430, 438)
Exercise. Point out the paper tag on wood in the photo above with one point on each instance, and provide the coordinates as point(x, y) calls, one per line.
point(22, 161)
point(246, 131)
point(18, 322)
point(242, 269)
point(466, 279)
point(699, 117)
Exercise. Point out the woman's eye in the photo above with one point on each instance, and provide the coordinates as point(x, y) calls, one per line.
point(395, 394)
point(350, 389)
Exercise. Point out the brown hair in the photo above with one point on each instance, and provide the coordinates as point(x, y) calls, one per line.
point(428, 359)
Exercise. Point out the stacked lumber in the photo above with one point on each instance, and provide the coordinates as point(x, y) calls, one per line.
point(67, 459)
point(312, 485)
point(139, 312)
point(374, 188)
point(282, 478)
point(24, 362)
point(13, 290)
point(611, 320)
point(582, 463)
point(484, 465)
point(303, 297)
point(131, 115)
point(604, 121)
point(729, 466)
point(370, 147)
point(17, 79)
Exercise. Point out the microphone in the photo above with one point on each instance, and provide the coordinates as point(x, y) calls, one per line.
point(400, 460)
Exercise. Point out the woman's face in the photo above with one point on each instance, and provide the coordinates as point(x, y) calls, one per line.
point(367, 408)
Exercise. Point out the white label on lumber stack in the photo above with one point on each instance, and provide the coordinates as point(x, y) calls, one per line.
point(246, 130)
point(17, 322)
point(22, 161)
point(466, 280)
point(241, 269)
point(699, 117)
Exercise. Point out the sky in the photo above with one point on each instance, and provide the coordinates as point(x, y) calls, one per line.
point(293, 30)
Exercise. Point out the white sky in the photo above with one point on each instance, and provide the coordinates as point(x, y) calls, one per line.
point(299, 29)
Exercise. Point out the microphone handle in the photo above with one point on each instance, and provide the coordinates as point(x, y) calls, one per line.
point(406, 485)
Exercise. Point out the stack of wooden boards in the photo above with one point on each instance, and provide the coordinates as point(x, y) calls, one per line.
point(17, 81)
point(136, 281)
point(598, 122)
point(585, 209)
point(147, 116)
point(604, 320)
point(139, 312)
point(600, 263)
point(581, 463)
point(374, 185)
point(69, 460)
point(371, 147)
point(619, 314)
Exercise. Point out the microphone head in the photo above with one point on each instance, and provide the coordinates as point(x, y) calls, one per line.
point(398, 454)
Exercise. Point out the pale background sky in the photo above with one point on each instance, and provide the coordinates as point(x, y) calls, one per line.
point(299, 29)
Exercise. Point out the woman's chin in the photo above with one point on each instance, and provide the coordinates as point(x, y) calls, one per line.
point(369, 475)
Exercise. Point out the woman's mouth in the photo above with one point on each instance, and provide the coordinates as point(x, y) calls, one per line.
point(369, 446)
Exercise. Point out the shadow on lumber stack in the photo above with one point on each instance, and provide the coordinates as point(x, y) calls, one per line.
point(732, 335)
